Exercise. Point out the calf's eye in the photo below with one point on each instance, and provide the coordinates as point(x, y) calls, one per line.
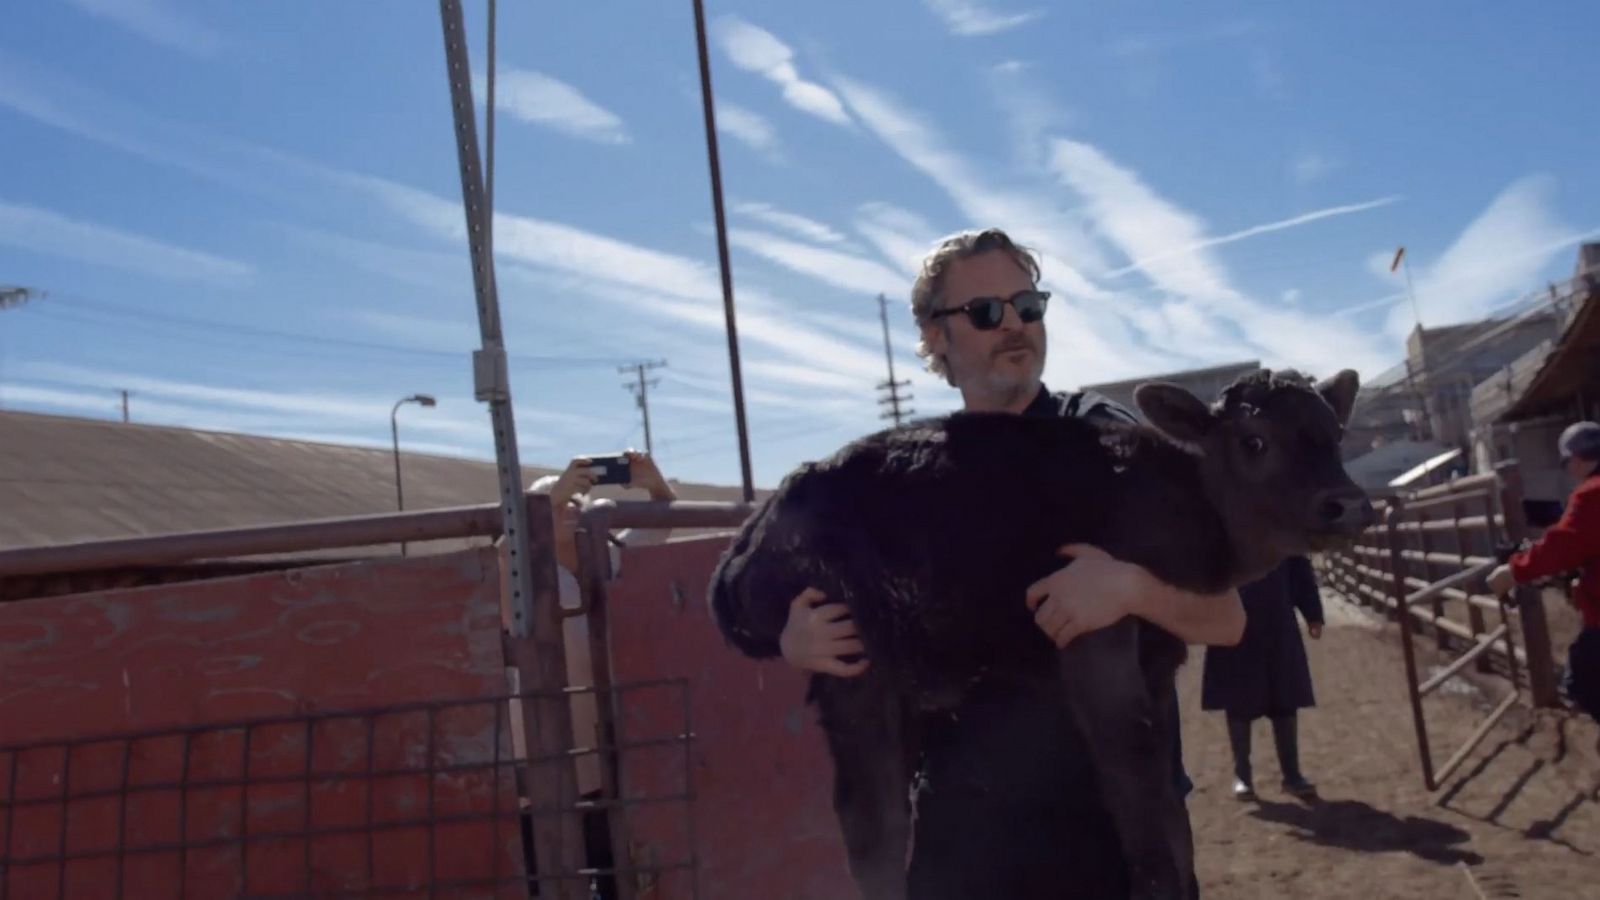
point(1254, 445)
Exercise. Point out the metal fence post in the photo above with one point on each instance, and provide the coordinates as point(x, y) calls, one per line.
point(1529, 599)
point(1392, 520)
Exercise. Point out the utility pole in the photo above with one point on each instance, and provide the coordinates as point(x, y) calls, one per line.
point(640, 388)
point(124, 407)
point(892, 388)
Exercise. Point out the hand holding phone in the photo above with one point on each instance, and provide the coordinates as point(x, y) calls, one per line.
point(614, 468)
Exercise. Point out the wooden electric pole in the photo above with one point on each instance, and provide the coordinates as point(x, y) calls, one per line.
point(640, 388)
point(898, 402)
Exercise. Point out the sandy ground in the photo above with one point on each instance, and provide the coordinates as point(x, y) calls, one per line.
point(1520, 819)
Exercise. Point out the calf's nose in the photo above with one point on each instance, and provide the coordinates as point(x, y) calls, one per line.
point(1345, 509)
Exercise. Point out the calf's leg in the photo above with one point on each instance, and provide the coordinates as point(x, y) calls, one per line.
point(1130, 737)
point(866, 728)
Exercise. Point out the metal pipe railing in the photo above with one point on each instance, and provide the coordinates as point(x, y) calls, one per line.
point(254, 540)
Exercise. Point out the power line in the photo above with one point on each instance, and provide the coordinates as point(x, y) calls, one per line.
point(892, 388)
point(641, 393)
point(150, 318)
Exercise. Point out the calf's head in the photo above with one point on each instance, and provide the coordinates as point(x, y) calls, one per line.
point(1270, 462)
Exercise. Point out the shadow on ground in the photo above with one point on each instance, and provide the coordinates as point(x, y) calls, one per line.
point(1357, 826)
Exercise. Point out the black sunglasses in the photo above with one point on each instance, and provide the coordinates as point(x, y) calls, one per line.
point(987, 312)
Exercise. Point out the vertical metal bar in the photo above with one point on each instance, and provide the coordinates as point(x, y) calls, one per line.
point(244, 811)
point(305, 813)
point(541, 663)
point(688, 789)
point(1393, 518)
point(1474, 613)
point(372, 789)
point(66, 809)
point(594, 568)
point(11, 806)
point(183, 820)
point(122, 814)
point(433, 813)
point(1530, 600)
point(494, 787)
point(490, 365)
point(707, 104)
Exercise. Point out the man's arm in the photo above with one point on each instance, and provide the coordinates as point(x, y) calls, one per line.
point(1098, 590)
point(1568, 544)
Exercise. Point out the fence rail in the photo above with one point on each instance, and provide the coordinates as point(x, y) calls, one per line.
point(1425, 566)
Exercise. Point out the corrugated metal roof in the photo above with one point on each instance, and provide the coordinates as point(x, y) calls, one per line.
point(66, 479)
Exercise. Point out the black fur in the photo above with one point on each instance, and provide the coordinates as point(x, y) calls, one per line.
point(931, 534)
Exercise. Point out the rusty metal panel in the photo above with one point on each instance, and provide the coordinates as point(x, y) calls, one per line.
point(328, 729)
point(759, 782)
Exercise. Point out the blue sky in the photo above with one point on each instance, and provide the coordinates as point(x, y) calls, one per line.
point(248, 214)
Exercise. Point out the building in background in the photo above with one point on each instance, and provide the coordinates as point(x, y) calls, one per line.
point(1519, 410)
point(1207, 383)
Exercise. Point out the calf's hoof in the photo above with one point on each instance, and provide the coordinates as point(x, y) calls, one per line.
point(1243, 792)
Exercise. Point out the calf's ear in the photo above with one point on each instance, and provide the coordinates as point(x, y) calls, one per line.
point(1173, 411)
point(1340, 392)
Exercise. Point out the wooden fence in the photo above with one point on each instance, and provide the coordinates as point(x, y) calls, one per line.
point(1424, 565)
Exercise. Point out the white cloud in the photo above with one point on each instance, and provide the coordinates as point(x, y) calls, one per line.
point(159, 22)
point(1147, 227)
point(1310, 168)
point(1257, 230)
point(808, 228)
point(834, 267)
point(539, 99)
point(43, 231)
point(902, 237)
point(1497, 257)
point(757, 50)
point(970, 18)
point(1062, 236)
point(1292, 296)
point(747, 126)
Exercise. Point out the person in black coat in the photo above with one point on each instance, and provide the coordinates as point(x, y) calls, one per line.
point(1266, 673)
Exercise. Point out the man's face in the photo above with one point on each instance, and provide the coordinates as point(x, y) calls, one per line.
point(1005, 360)
point(1579, 468)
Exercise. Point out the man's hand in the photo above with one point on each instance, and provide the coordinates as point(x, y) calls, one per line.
point(818, 634)
point(1098, 590)
point(1315, 630)
point(1501, 581)
point(643, 473)
point(1092, 593)
point(577, 478)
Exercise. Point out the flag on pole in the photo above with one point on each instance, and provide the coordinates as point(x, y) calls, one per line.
point(1397, 255)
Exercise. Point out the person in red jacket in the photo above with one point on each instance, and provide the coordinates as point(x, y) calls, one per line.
point(1572, 543)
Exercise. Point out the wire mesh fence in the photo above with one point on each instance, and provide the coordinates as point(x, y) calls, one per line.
point(424, 799)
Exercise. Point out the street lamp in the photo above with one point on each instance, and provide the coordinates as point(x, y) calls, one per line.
point(394, 431)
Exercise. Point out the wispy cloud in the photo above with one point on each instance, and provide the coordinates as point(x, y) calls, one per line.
point(159, 22)
point(794, 223)
point(1310, 168)
point(971, 18)
point(539, 99)
point(748, 127)
point(901, 236)
point(843, 270)
point(1256, 231)
point(1497, 257)
point(757, 50)
point(1061, 235)
point(44, 231)
point(1146, 226)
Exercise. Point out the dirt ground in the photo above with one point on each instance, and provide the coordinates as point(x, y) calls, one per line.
point(1520, 819)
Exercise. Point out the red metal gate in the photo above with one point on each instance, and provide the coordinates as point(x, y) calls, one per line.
point(760, 784)
point(270, 735)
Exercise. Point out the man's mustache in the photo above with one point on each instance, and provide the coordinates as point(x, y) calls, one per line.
point(1016, 342)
